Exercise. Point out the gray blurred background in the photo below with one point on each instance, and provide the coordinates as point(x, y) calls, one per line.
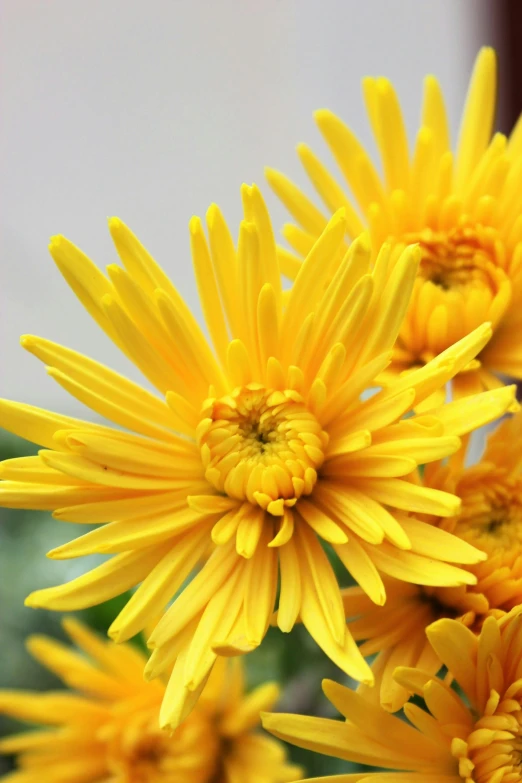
point(150, 111)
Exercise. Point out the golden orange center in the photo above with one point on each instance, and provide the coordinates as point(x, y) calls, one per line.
point(491, 517)
point(139, 752)
point(147, 756)
point(456, 260)
point(261, 445)
point(492, 753)
point(460, 285)
point(490, 520)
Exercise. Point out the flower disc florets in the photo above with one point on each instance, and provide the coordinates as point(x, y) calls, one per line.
point(472, 733)
point(492, 520)
point(492, 751)
point(460, 285)
point(136, 750)
point(261, 445)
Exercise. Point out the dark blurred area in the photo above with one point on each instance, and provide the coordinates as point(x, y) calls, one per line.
point(505, 17)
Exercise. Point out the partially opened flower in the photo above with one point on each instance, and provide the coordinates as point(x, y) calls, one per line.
point(260, 444)
point(473, 736)
point(491, 519)
point(106, 728)
point(463, 208)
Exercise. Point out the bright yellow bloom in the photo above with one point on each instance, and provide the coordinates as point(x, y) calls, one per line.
point(475, 737)
point(107, 727)
point(491, 520)
point(464, 210)
point(276, 453)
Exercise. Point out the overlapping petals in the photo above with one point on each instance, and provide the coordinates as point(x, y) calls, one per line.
point(490, 518)
point(471, 735)
point(462, 207)
point(256, 446)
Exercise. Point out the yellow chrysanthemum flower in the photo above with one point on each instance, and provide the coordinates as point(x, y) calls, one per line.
point(464, 210)
point(107, 727)
point(475, 737)
point(491, 519)
point(276, 453)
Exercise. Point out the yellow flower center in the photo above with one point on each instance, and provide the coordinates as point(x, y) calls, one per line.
point(464, 603)
point(139, 752)
point(461, 284)
point(491, 518)
point(456, 260)
point(492, 752)
point(261, 445)
point(146, 757)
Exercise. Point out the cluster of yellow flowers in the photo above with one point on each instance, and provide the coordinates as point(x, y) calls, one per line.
point(337, 410)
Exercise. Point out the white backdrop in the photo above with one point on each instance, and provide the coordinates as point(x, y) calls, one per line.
point(151, 110)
